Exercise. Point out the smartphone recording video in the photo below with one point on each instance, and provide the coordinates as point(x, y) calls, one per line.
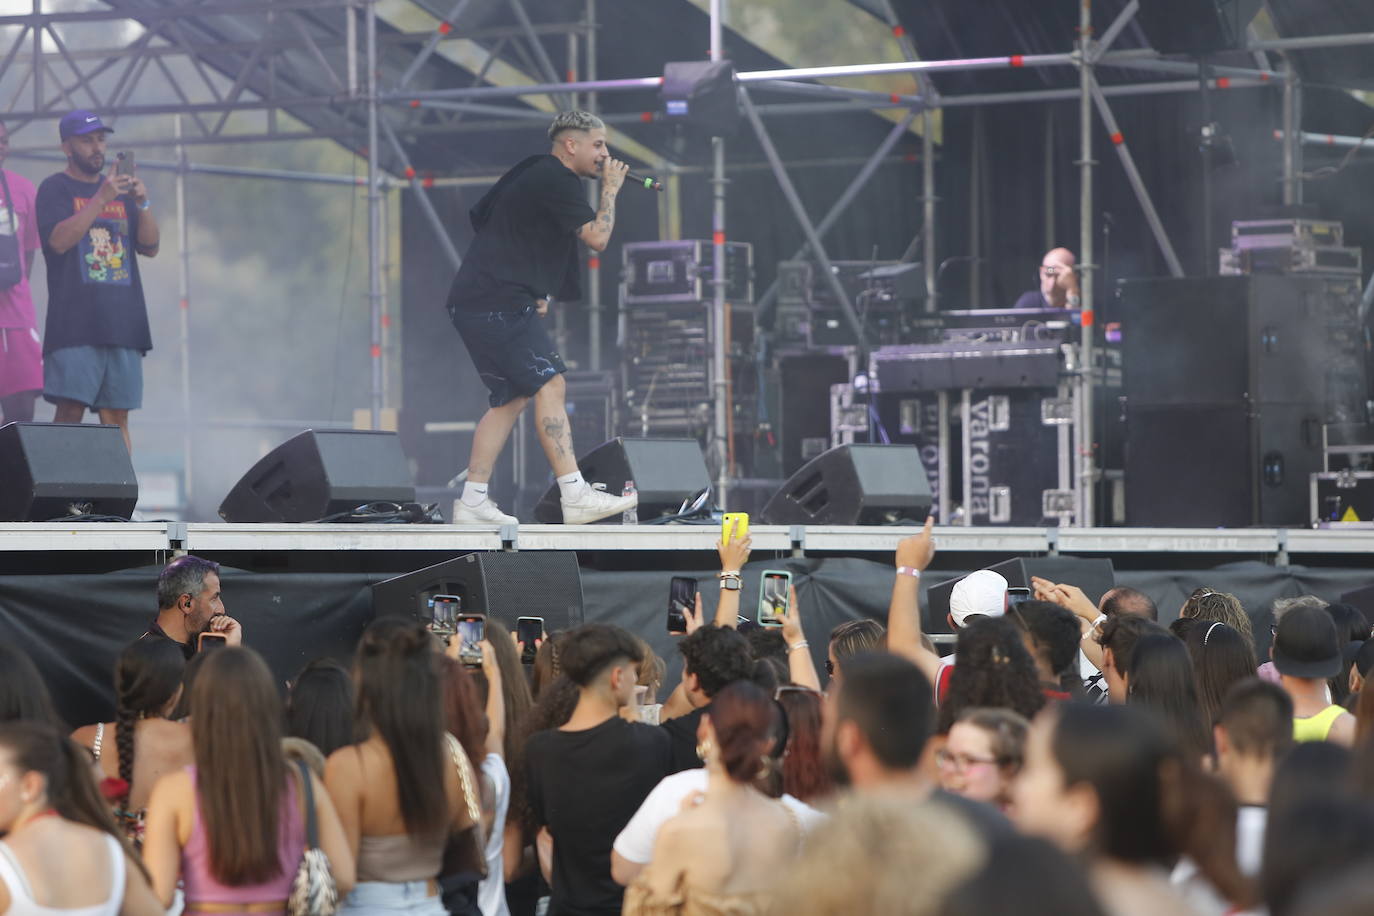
point(472, 629)
point(1016, 595)
point(682, 597)
point(124, 163)
point(773, 597)
point(443, 614)
point(529, 630)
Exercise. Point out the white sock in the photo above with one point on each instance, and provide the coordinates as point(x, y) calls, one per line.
point(570, 486)
point(474, 494)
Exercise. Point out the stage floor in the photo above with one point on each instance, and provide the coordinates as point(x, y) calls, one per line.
point(159, 537)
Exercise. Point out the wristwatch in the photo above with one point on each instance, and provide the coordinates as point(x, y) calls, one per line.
point(730, 584)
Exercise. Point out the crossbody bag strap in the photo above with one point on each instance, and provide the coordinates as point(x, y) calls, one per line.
point(466, 778)
point(312, 839)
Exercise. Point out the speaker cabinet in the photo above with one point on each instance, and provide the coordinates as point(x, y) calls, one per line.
point(854, 485)
point(52, 470)
point(504, 586)
point(1226, 392)
point(1221, 466)
point(665, 473)
point(804, 382)
point(319, 473)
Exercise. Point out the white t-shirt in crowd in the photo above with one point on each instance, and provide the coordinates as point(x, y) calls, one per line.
point(636, 842)
point(1198, 891)
point(1250, 823)
point(1086, 669)
point(491, 893)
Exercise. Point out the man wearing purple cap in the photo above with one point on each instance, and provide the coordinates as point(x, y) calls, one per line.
point(93, 228)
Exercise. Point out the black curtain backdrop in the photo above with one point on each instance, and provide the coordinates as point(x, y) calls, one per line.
point(74, 626)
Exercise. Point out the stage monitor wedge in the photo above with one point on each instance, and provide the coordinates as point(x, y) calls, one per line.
point(49, 471)
point(666, 472)
point(504, 586)
point(321, 472)
point(854, 485)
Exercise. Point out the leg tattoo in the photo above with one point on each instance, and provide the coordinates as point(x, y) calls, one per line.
point(557, 435)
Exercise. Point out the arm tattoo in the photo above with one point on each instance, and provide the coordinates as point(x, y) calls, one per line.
point(605, 217)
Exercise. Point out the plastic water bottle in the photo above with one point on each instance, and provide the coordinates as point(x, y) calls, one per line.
point(631, 516)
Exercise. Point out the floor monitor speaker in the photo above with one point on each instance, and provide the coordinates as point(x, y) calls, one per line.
point(321, 472)
point(854, 485)
point(49, 471)
point(666, 472)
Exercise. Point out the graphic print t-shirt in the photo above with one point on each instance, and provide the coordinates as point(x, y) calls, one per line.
point(95, 294)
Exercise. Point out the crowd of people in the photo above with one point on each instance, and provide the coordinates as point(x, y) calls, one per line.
point(1072, 756)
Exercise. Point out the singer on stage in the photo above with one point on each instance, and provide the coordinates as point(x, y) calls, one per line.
point(524, 255)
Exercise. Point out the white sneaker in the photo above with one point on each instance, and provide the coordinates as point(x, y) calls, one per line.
point(594, 503)
point(484, 513)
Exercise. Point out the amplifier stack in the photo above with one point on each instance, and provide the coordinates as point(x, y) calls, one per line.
point(666, 338)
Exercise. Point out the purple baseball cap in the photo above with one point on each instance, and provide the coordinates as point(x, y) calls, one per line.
point(80, 122)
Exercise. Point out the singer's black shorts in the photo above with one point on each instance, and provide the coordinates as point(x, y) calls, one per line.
point(512, 351)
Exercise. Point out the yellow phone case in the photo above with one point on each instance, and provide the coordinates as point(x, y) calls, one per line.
point(737, 521)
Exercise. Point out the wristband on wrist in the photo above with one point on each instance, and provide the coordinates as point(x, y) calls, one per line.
point(147, 202)
point(911, 571)
point(728, 574)
point(799, 644)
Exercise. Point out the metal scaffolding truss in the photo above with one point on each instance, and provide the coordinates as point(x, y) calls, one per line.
point(385, 78)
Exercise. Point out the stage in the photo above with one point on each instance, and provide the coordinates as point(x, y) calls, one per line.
point(1278, 544)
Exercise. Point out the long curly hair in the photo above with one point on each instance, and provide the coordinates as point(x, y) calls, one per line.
point(992, 669)
point(1209, 604)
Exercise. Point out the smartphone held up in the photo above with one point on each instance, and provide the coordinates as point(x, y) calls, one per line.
point(774, 597)
point(472, 629)
point(528, 632)
point(682, 599)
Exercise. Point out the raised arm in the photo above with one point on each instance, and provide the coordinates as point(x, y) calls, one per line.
point(71, 230)
point(496, 701)
point(1073, 598)
point(800, 666)
point(596, 235)
point(734, 553)
point(904, 613)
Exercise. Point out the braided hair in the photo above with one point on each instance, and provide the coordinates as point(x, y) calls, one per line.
point(147, 678)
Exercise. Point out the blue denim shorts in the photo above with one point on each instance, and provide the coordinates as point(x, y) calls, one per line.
point(390, 898)
point(512, 351)
point(108, 377)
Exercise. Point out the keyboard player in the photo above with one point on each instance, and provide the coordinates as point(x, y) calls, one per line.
point(1058, 284)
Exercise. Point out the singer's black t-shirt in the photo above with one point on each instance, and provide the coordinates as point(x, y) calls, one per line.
point(526, 242)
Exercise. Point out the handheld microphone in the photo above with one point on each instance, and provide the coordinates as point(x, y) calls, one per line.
point(649, 184)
